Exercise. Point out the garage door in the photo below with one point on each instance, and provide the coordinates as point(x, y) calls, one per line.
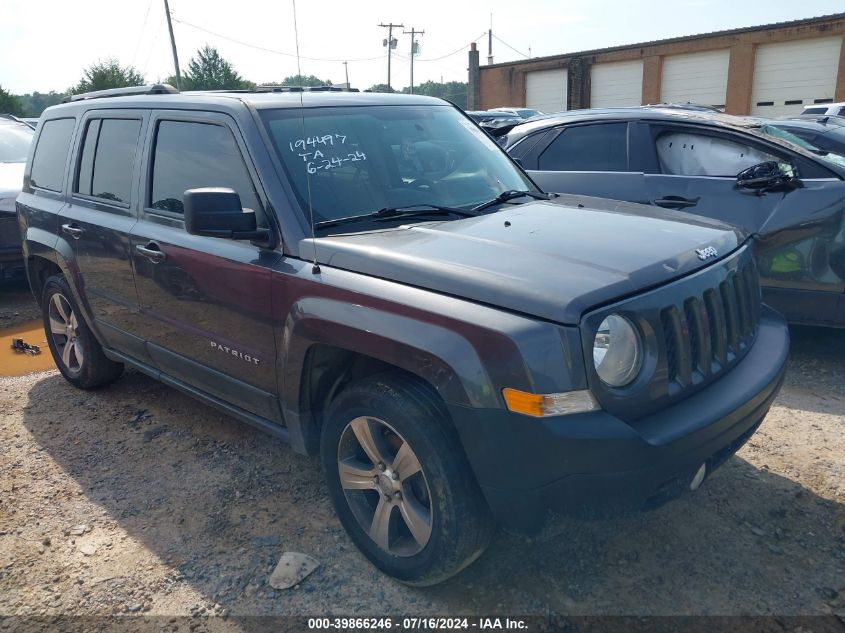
point(545, 90)
point(616, 84)
point(790, 75)
point(696, 78)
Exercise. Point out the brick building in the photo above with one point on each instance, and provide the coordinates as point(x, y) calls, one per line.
point(769, 70)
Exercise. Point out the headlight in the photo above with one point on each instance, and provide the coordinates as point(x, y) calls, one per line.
point(617, 351)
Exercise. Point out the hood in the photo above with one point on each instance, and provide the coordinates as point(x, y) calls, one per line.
point(554, 260)
point(11, 179)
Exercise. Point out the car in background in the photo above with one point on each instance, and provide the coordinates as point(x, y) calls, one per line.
point(832, 109)
point(493, 121)
point(740, 170)
point(15, 139)
point(522, 113)
point(821, 133)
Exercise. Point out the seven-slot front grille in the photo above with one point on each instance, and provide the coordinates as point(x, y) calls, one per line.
point(705, 333)
point(693, 330)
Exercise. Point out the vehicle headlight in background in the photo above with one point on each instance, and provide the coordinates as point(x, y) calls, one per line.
point(617, 351)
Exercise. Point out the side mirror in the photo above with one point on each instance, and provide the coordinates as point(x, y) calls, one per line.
point(766, 176)
point(217, 212)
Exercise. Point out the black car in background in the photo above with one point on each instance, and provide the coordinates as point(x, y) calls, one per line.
point(825, 133)
point(15, 139)
point(741, 170)
point(491, 121)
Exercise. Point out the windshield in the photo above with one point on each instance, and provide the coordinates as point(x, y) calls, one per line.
point(358, 160)
point(789, 137)
point(14, 143)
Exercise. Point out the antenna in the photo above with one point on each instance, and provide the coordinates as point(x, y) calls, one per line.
point(315, 268)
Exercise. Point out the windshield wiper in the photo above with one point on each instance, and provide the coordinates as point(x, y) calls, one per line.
point(390, 213)
point(511, 194)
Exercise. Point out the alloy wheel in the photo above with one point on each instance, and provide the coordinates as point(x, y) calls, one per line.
point(64, 331)
point(385, 486)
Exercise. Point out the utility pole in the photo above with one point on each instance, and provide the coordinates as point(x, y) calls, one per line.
point(390, 42)
point(173, 46)
point(490, 42)
point(414, 50)
point(346, 71)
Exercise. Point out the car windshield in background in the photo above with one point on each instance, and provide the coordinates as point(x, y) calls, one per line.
point(14, 143)
point(355, 160)
point(789, 137)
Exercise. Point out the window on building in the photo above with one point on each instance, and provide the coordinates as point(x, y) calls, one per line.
point(48, 163)
point(191, 155)
point(108, 159)
point(600, 147)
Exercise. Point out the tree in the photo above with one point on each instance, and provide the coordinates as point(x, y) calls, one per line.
point(380, 88)
point(209, 71)
point(9, 103)
point(454, 91)
point(303, 80)
point(35, 103)
point(108, 74)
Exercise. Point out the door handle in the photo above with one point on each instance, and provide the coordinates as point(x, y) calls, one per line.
point(151, 252)
point(676, 202)
point(73, 230)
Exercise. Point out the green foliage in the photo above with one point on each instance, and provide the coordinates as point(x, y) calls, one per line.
point(380, 88)
point(209, 71)
point(34, 104)
point(9, 103)
point(454, 91)
point(304, 80)
point(108, 74)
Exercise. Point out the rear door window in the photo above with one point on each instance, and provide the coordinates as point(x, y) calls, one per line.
point(108, 159)
point(48, 163)
point(190, 155)
point(598, 147)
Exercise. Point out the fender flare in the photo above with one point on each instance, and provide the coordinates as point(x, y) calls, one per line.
point(437, 355)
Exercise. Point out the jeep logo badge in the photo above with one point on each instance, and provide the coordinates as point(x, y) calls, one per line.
point(706, 253)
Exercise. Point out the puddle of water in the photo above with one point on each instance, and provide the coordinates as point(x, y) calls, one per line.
point(14, 363)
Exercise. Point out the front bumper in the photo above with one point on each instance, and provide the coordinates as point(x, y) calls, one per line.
point(596, 465)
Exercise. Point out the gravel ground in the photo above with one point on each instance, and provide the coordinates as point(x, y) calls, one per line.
point(136, 499)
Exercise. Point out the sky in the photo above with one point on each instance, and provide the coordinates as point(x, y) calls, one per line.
point(46, 44)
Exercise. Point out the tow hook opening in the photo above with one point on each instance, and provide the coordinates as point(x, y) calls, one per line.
point(699, 477)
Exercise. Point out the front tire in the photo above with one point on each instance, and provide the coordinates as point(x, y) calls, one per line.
point(76, 352)
point(399, 480)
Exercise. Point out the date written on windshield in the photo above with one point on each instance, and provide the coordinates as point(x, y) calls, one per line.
point(324, 152)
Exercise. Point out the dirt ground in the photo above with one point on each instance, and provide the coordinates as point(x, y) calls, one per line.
point(136, 499)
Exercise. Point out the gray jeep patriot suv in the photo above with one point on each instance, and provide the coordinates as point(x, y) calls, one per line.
point(372, 279)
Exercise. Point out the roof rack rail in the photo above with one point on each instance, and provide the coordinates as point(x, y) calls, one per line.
point(152, 89)
point(298, 89)
point(11, 117)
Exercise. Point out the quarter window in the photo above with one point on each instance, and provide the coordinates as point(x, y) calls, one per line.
point(689, 154)
point(588, 148)
point(108, 159)
point(48, 163)
point(192, 155)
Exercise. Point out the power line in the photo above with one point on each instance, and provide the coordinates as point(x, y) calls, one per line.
point(141, 33)
point(455, 52)
point(270, 50)
point(499, 39)
point(152, 46)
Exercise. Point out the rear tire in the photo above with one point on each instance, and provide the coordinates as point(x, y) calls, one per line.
point(399, 480)
point(77, 353)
